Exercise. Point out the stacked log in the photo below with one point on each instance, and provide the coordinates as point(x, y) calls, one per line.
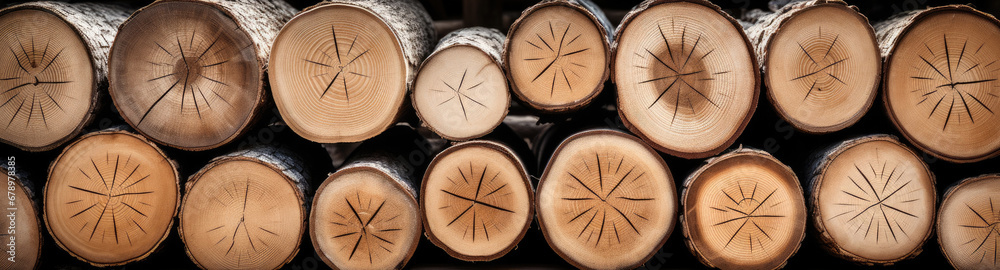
point(23, 234)
point(968, 220)
point(58, 69)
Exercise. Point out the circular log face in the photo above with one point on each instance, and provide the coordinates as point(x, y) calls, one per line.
point(337, 74)
point(606, 200)
point(941, 85)
point(969, 223)
point(461, 93)
point(184, 74)
point(824, 59)
point(744, 210)
point(110, 198)
point(241, 214)
point(363, 219)
point(686, 80)
point(476, 201)
point(875, 201)
point(47, 79)
point(557, 58)
point(28, 238)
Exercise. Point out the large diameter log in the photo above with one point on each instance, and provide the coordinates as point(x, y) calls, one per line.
point(366, 214)
point(557, 53)
point(111, 198)
point(686, 75)
point(743, 210)
point(606, 200)
point(245, 210)
point(22, 234)
point(968, 223)
point(476, 201)
point(872, 200)
point(940, 80)
point(460, 91)
point(54, 71)
point(818, 57)
point(190, 74)
point(341, 69)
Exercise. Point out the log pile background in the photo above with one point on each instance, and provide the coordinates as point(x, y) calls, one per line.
point(766, 131)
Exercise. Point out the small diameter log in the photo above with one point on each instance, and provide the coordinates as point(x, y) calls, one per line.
point(111, 198)
point(686, 75)
point(873, 200)
point(245, 210)
point(940, 82)
point(969, 221)
point(606, 201)
point(366, 214)
point(461, 91)
point(557, 53)
point(743, 209)
point(23, 230)
point(341, 69)
point(190, 74)
point(54, 69)
point(818, 57)
point(476, 201)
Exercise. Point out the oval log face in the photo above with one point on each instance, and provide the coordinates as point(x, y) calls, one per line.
point(47, 80)
point(192, 83)
point(27, 234)
point(941, 81)
point(969, 222)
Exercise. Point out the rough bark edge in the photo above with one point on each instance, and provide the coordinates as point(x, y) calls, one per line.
point(631, 15)
point(818, 168)
point(508, 153)
point(738, 152)
point(487, 40)
point(96, 25)
point(278, 159)
point(947, 195)
point(888, 34)
point(26, 187)
point(260, 20)
point(119, 130)
point(603, 25)
point(605, 131)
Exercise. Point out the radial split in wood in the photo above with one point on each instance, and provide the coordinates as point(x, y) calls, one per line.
point(461, 91)
point(340, 69)
point(189, 74)
point(873, 200)
point(476, 201)
point(743, 209)
point(941, 87)
point(821, 63)
point(556, 55)
point(23, 229)
point(606, 201)
point(687, 80)
point(111, 198)
point(968, 224)
point(245, 211)
point(53, 69)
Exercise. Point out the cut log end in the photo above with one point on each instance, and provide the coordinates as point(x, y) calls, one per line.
point(476, 200)
point(49, 86)
point(968, 222)
point(556, 56)
point(242, 212)
point(606, 201)
point(940, 81)
point(686, 90)
point(111, 198)
point(364, 218)
point(874, 200)
point(743, 209)
point(823, 58)
point(28, 230)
